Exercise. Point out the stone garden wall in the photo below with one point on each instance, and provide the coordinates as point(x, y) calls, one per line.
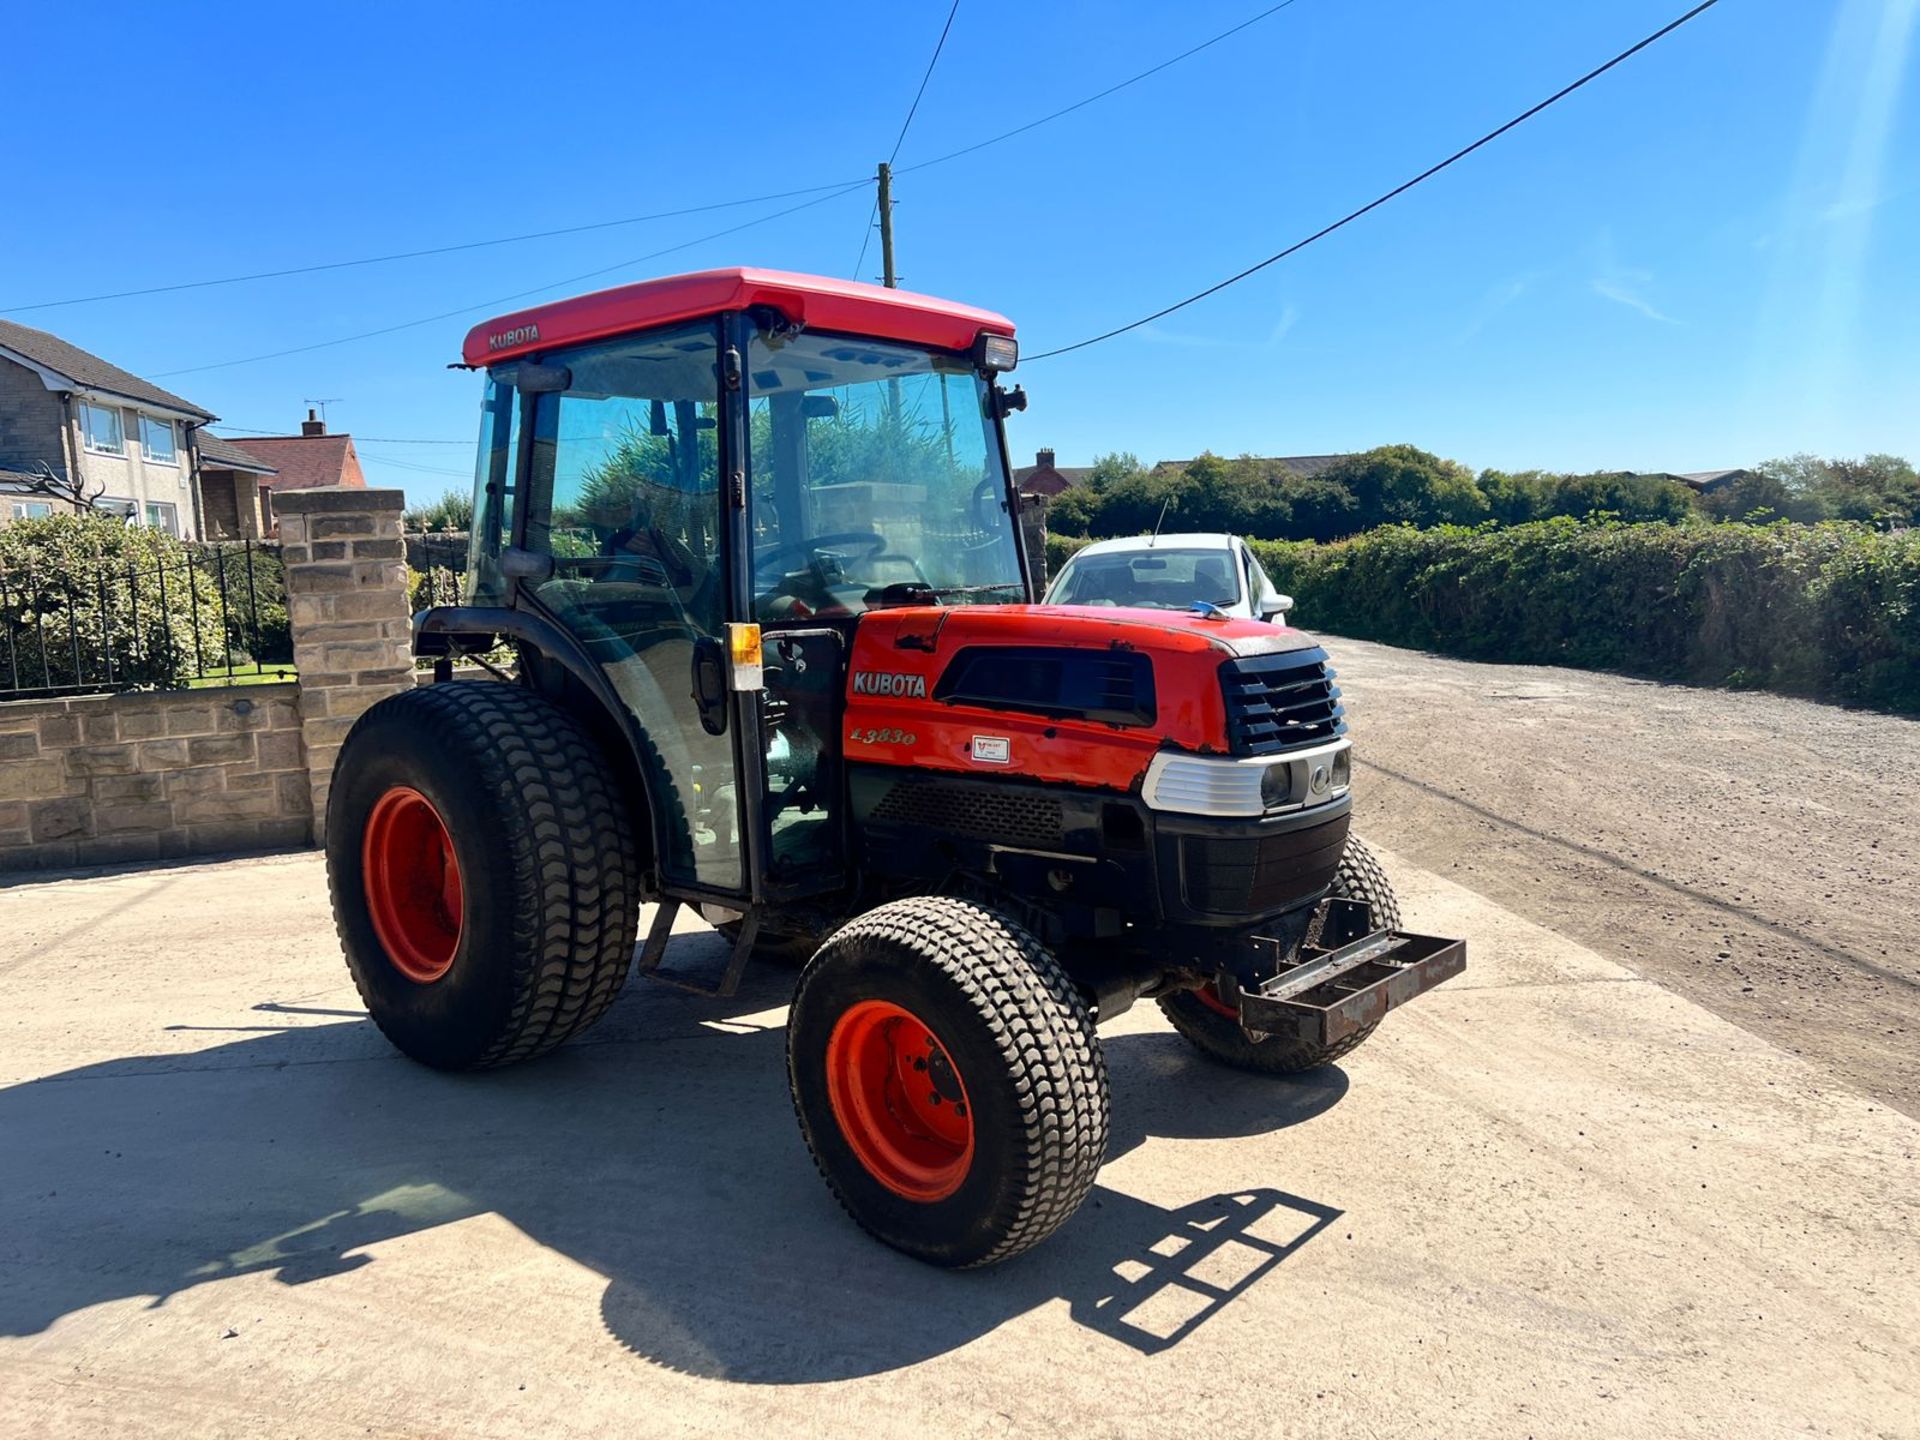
point(154, 775)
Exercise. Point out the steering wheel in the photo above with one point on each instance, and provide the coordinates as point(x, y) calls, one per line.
point(986, 490)
point(875, 545)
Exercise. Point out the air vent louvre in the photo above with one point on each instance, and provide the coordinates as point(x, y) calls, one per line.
point(1281, 702)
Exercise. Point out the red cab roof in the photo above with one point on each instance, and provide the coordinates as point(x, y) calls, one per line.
point(812, 300)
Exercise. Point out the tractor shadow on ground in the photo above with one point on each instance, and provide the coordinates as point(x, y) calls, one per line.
point(660, 1150)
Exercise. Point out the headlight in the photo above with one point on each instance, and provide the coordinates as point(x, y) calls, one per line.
point(996, 352)
point(1276, 786)
point(1251, 785)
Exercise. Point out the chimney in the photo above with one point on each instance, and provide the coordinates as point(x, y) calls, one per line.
point(313, 425)
point(1044, 459)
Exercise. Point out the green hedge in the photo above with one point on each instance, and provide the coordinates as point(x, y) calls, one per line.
point(1831, 610)
point(1059, 547)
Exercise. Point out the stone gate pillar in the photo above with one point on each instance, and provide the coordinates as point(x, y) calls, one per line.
point(347, 610)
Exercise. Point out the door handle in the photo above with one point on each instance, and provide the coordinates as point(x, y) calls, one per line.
point(710, 683)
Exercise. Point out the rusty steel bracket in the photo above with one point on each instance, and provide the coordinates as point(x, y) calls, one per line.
point(1332, 994)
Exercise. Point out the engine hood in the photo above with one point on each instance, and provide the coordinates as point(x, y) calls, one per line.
point(1171, 631)
point(899, 713)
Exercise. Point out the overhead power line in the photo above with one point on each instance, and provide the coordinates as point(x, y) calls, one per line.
point(320, 267)
point(1098, 95)
point(1398, 190)
point(905, 125)
point(419, 254)
point(516, 295)
point(362, 439)
point(415, 467)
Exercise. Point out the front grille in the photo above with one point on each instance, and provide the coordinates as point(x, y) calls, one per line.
point(1260, 876)
point(1280, 702)
point(981, 812)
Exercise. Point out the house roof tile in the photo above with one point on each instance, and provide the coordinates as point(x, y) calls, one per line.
point(225, 454)
point(88, 371)
point(306, 462)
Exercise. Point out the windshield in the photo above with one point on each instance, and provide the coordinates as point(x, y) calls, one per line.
point(1157, 579)
point(877, 479)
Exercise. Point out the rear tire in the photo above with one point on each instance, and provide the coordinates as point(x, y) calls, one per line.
point(1214, 1028)
point(914, 1010)
point(537, 922)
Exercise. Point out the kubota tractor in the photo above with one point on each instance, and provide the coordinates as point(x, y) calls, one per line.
point(753, 542)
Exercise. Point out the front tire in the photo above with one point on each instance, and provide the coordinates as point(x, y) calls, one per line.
point(948, 1080)
point(1213, 1026)
point(484, 876)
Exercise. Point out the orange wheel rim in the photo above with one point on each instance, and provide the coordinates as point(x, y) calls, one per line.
point(1208, 996)
point(412, 880)
point(899, 1101)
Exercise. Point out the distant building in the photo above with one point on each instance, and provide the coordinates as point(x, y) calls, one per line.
point(1705, 482)
point(75, 428)
point(306, 461)
point(1043, 477)
point(231, 505)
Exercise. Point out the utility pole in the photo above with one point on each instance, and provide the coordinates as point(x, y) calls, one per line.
point(890, 280)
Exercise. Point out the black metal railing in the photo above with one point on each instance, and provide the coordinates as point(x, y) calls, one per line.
point(438, 565)
point(205, 614)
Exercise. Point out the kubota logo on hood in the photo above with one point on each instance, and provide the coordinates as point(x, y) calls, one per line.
point(885, 682)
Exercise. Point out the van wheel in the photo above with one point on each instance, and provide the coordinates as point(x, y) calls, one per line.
point(484, 876)
point(948, 1080)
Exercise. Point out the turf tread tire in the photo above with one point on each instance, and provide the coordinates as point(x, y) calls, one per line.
point(544, 830)
point(1359, 876)
point(1007, 990)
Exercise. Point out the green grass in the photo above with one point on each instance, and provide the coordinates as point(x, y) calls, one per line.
point(244, 675)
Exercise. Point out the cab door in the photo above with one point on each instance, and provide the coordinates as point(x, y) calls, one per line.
point(623, 494)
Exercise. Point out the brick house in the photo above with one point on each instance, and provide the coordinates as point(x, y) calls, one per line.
point(232, 481)
point(306, 461)
point(72, 422)
point(1044, 477)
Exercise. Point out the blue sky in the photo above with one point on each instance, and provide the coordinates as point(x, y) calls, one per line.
point(1703, 259)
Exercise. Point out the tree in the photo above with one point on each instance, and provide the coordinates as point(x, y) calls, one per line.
point(1402, 484)
point(1876, 489)
point(452, 511)
point(1114, 467)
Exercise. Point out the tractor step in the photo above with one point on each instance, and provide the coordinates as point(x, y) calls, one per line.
point(655, 950)
point(1334, 993)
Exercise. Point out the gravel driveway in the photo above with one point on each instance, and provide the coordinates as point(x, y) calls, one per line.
point(1758, 854)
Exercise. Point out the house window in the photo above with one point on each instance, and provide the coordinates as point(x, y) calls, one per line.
point(157, 439)
point(164, 517)
point(101, 425)
point(109, 505)
point(31, 509)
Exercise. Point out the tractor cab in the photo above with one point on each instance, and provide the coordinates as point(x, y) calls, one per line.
point(666, 467)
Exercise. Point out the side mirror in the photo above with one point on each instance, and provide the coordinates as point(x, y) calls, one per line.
point(1275, 608)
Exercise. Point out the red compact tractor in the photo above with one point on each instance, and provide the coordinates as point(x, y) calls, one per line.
point(754, 544)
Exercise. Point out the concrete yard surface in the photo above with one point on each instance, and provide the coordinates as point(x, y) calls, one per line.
point(1551, 1198)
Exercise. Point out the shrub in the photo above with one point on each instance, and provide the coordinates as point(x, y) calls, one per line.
point(1831, 610)
point(89, 600)
point(452, 511)
point(1060, 548)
